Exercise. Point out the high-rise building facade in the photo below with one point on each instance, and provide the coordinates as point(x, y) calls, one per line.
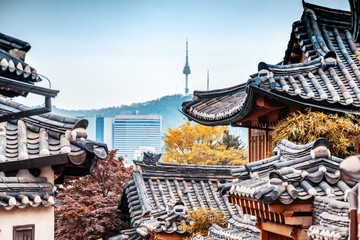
point(99, 128)
point(133, 132)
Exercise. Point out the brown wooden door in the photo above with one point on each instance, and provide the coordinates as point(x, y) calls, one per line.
point(25, 232)
point(259, 142)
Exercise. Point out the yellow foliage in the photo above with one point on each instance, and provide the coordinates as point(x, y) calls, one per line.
point(200, 220)
point(357, 55)
point(302, 128)
point(198, 144)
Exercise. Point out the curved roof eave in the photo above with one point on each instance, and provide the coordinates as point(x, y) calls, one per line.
point(246, 107)
point(252, 90)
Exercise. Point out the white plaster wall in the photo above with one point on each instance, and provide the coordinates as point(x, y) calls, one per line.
point(41, 217)
point(48, 173)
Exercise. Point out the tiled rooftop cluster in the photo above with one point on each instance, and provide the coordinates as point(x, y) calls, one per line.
point(36, 137)
point(319, 68)
point(44, 135)
point(32, 141)
point(299, 173)
point(159, 195)
point(295, 172)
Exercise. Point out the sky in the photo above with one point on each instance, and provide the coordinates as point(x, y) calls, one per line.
point(117, 52)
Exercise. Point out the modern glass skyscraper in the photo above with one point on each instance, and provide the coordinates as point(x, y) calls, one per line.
point(132, 132)
point(99, 128)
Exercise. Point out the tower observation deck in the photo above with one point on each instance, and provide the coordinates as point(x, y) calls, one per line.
point(186, 70)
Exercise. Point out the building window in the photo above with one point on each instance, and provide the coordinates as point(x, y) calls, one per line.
point(24, 232)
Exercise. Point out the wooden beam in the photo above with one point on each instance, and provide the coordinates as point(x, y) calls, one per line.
point(304, 221)
point(288, 213)
point(260, 101)
point(257, 113)
point(280, 229)
point(265, 102)
point(278, 217)
point(273, 117)
point(34, 162)
point(292, 207)
point(264, 235)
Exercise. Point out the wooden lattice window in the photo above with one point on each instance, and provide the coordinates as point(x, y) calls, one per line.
point(24, 232)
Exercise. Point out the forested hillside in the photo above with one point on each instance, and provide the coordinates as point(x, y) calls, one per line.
point(167, 106)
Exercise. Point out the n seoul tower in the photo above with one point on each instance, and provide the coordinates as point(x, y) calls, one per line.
point(186, 70)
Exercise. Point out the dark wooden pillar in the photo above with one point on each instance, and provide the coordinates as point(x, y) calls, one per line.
point(353, 224)
point(250, 145)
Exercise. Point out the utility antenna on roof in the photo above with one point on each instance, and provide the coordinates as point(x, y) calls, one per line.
point(186, 70)
point(207, 87)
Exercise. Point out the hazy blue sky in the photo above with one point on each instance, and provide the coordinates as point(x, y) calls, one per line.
point(109, 53)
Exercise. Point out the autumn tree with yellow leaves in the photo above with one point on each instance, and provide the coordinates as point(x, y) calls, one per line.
point(341, 132)
point(202, 145)
point(200, 220)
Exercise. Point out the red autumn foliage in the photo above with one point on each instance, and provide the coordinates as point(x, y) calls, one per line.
point(90, 203)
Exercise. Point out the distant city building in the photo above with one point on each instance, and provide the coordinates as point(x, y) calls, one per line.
point(99, 128)
point(132, 133)
point(186, 70)
point(108, 131)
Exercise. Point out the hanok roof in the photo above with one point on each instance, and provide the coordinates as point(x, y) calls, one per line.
point(159, 196)
point(26, 191)
point(12, 65)
point(30, 140)
point(297, 174)
point(45, 140)
point(319, 70)
point(294, 172)
point(37, 141)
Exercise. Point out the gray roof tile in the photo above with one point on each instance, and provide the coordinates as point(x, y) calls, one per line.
point(293, 165)
point(21, 192)
point(154, 193)
point(45, 135)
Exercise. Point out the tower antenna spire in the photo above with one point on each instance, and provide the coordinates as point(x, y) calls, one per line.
point(208, 81)
point(186, 70)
